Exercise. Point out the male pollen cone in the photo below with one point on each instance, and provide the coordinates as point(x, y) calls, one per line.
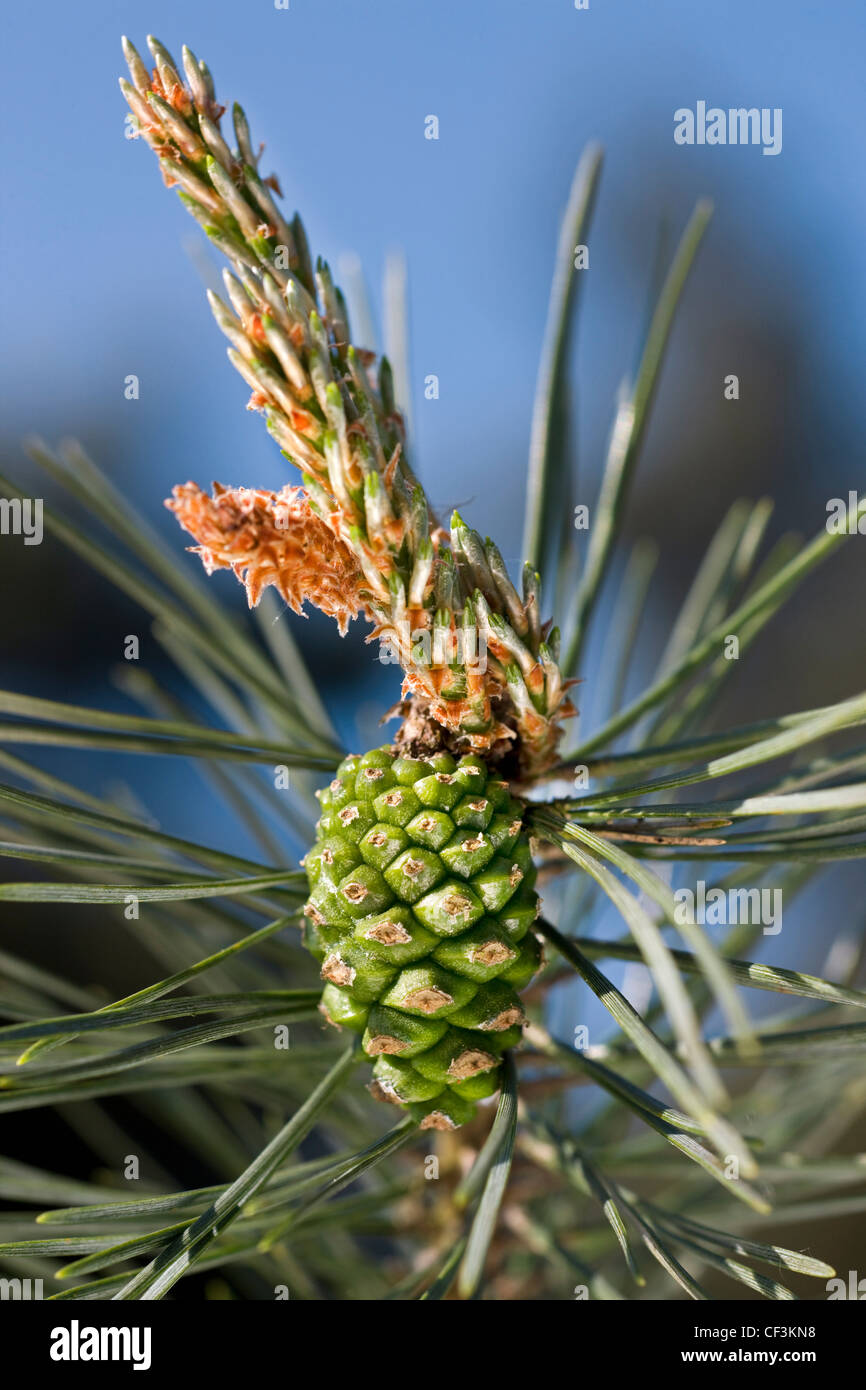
point(272, 538)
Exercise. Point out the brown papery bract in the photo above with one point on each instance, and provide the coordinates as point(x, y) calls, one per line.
point(272, 538)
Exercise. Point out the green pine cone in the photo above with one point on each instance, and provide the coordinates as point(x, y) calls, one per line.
point(420, 913)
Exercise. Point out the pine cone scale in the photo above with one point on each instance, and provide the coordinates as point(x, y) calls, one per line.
point(420, 913)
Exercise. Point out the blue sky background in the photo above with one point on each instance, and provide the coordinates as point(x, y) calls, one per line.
point(99, 280)
point(103, 269)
